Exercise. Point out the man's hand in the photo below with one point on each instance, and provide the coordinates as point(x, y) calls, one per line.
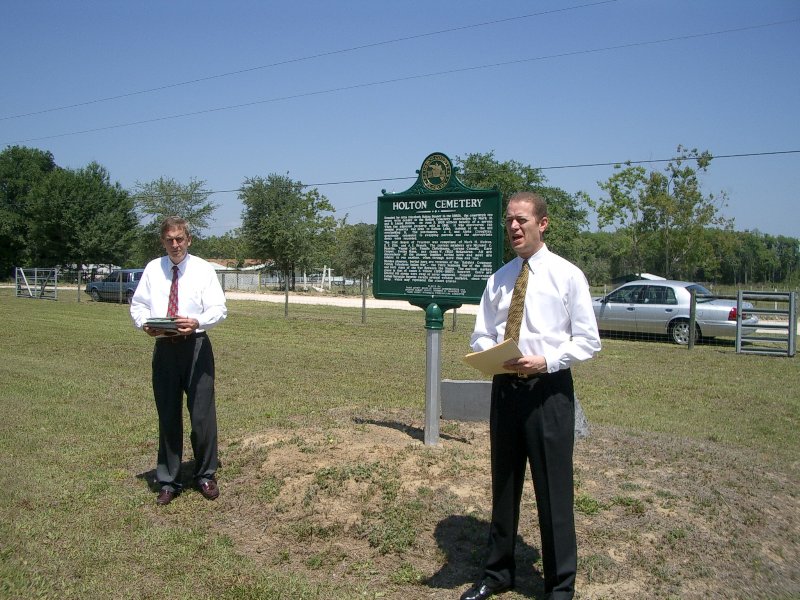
point(186, 325)
point(532, 364)
point(152, 331)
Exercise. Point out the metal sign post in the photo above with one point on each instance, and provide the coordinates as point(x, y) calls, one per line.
point(434, 322)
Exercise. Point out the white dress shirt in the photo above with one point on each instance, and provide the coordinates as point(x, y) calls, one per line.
point(558, 322)
point(200, 295)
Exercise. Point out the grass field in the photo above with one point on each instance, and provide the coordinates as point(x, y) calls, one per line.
point(687, 487)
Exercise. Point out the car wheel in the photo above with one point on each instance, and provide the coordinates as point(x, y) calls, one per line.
point(129, 296)
point(95, 294)
point(679, 331)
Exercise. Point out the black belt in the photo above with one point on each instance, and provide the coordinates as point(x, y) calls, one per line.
point(180, 339)
point(527, 376)
point(519, 376)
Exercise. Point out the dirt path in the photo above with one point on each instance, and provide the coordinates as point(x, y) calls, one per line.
point(345, 301)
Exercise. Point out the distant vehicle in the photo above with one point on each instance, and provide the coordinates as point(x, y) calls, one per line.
point(662, 307)
point(109, 287)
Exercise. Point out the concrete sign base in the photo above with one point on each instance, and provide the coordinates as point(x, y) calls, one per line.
point(468, 400)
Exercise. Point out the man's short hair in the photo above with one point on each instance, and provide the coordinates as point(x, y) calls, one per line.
point(539, 203)
point(175, 223)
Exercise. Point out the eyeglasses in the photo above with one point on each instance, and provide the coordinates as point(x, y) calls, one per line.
point(520, 220)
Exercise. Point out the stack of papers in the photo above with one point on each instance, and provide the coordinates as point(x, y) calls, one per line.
point(490, 362)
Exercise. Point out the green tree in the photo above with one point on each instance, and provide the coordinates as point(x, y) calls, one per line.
point(21, 169)
point(354, 250)
point(623, 209)
point(354, 254)
point(483, 170)
point(726, 249)
point(787, 250)
point(567, 215)
point(166, 197)
point(79, 216)
point(283, 223)
point(230, 245)
point(600, 256)
point(663, 216)
point(678, 212)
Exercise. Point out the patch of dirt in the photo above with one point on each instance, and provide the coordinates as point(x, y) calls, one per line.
point(359, 500)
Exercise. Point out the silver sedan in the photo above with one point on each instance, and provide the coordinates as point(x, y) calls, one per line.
point(662, 307)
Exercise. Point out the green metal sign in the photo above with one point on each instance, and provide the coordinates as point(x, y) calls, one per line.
point(439, 241)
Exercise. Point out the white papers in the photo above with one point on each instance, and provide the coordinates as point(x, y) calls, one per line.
point(490, 362)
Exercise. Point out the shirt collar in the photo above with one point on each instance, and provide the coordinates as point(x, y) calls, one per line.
point(181, 265)
point(536, 258)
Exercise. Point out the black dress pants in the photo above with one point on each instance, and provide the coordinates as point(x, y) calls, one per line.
point(533, 420)
point(185, 365)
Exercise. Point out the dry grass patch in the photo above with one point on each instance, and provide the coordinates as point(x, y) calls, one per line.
point(359, 500)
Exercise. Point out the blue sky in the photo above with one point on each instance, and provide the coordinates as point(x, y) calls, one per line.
point(560, 92)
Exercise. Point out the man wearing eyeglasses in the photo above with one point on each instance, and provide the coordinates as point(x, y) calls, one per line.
point(543, 302)
point(178, 299)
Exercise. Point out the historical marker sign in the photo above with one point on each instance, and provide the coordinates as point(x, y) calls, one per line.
point(439, 241)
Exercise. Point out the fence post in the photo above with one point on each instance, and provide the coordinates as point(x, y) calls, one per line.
point(286, 297)
point(739, 299)
point(692, 317)
point(363, 301)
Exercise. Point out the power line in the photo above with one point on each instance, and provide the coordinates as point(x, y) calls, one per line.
point(305, 58)
point(662, 160)
point(409, 78)
point(552, 167)
point(577, 166)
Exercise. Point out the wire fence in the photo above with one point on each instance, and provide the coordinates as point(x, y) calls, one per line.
point(656, 311)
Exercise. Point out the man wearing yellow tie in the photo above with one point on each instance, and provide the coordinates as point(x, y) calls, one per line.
point(177, 300)
point(543, 302)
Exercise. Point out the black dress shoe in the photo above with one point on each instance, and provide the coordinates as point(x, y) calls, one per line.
point(165, 496)
point(485, 589)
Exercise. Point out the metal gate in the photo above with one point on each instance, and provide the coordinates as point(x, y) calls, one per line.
point(776, 336)
point(36, 283)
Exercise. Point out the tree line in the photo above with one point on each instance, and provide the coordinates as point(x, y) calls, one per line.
point(657, 221)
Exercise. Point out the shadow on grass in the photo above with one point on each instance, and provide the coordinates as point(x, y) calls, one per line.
point(462, 540)
point(186, 480)
point(417, 433)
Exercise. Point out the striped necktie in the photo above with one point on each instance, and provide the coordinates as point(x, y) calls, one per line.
point(172, 307)
point(517, 304)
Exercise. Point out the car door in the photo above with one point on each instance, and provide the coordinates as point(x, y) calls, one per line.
point(109, 287)
point(655, 308)
point(618, 310)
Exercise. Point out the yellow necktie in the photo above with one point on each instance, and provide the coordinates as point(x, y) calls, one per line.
point(517, 304)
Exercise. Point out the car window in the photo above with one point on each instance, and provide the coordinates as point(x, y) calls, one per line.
point(136, 276)
point(701, 293)
point(659, 294)
point(113, 277)
point(624, 295)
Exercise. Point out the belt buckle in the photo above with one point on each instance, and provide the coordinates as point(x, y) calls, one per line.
point(522, 375)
